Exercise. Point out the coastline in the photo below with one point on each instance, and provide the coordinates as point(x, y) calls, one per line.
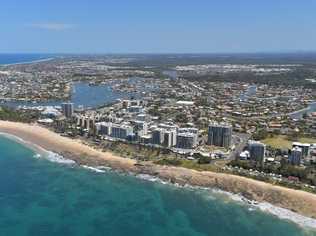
point(300, 202)
point(28, 62)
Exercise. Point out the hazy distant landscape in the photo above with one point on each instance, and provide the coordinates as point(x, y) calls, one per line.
point(180, 118)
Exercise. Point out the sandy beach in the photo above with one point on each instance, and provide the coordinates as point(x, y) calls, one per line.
point(298, 201)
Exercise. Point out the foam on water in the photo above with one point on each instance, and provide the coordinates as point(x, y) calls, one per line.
point(264, 206)
point(287, 215)
point(37, 155)
point(54, 157)
point(148, 177)
point(40, 152)
point(94, 169)
point(281, 213)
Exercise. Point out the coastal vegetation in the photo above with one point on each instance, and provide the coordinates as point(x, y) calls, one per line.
point(219, 101)
point(200, 164)
point(18, 116)
point(284, 141)
point(294, 174)
point(80, 152)
point(297, 77)
point(137, 152)
point(197, 161)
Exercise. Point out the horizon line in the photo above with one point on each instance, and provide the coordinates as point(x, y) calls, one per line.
point(165, 53)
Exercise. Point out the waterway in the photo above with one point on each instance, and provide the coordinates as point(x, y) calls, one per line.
point(87, 96)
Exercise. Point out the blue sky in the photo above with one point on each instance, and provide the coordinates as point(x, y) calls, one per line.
point(157, 26)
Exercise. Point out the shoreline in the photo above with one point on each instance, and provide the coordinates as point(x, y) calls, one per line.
point(289, 201)
point(28, 62)
point(301, 112)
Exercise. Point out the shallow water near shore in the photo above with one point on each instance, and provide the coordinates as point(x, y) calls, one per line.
point(38, 197)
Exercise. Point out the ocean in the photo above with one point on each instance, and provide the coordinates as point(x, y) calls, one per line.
point(40, 197)
point(6, 59)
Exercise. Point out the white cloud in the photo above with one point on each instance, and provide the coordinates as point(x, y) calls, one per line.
point(53, 26)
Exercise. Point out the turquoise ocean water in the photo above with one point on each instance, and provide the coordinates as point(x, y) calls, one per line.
point(39, 197)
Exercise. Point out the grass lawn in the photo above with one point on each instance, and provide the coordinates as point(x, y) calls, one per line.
point(281, 141)
point(278, 141)
point(190, 164)
point(210, 148)
point(307, 140)
point(196, 166)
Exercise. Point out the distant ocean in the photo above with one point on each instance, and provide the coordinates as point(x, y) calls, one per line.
point(22, 58)
point(39, 197)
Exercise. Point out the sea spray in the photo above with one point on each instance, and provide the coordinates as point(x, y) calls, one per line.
point(265, 207)
point(49, 199)
point(279, 212)
point(54, 157)
point(287, 215)
point(94, 169)
point(40, 152)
